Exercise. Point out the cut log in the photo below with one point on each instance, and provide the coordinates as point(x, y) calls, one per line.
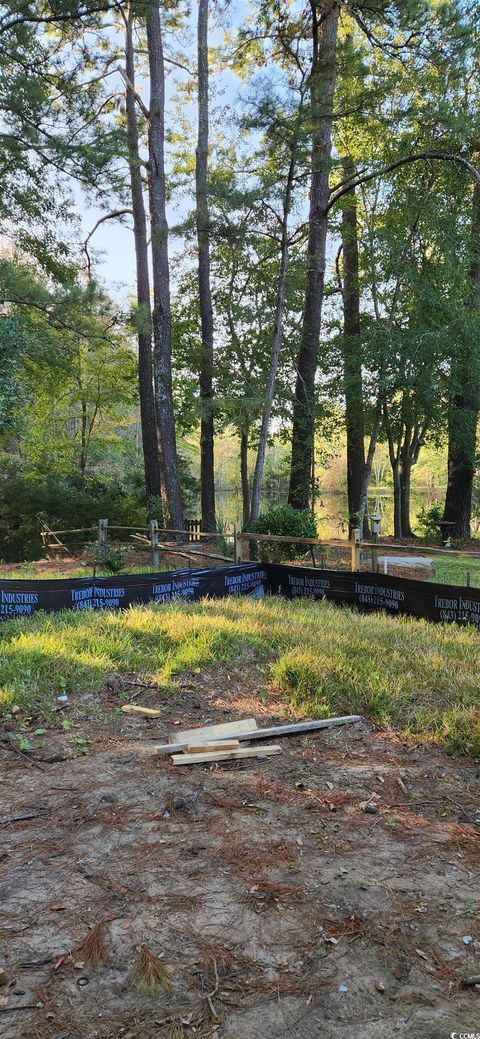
point(225, 755)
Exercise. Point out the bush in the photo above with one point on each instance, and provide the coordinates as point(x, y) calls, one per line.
point(429, 521)
point(109, 557)
point(65, 500)
point(282, 521)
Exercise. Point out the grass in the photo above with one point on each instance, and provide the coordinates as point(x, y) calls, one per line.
point(418, 677)
point(454, 570)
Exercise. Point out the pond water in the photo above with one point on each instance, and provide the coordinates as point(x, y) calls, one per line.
point(331, 510)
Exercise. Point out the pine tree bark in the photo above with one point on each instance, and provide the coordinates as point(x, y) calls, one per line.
point(352, 356)
point(464, 406)
point(207, 455)
point(148, 420)
point(322, 86)
point(161, 316)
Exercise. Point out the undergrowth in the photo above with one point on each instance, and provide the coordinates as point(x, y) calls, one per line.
point(418, 677)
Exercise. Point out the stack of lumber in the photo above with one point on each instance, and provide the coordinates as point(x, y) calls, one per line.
point(216, 743)
point(195, 745)
point(222, 742)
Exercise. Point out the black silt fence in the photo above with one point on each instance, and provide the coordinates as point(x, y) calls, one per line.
point(394, 595)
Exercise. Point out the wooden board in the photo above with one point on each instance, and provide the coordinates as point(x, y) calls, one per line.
point(213, 732)
point(228, 755)
point(199, 748)
point(148, 712)
point(297, 728)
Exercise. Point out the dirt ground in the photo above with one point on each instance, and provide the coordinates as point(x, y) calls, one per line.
point(64, 566)
point(279, 907)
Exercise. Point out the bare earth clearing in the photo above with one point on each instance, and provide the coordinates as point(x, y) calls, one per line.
point(280, 907)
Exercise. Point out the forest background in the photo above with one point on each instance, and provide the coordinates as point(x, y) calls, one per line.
point(240, 264)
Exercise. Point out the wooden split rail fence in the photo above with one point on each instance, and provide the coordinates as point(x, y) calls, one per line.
point(150, 537)
point(245, 544)
point(355, 546)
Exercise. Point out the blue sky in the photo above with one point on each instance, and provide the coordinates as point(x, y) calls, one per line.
point(112, 246)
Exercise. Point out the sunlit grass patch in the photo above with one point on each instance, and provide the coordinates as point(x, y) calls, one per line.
point(457, 570)
point(418, 677)
point(413, 675)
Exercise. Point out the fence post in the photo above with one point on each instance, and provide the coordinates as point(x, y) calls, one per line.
point(154, 542)
point(355, 544)
point(102, 534)
point(237, 544)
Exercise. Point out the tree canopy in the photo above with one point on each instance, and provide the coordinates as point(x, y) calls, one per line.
point(302, 186)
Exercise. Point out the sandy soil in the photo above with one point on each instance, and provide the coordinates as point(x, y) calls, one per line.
point(278, 905)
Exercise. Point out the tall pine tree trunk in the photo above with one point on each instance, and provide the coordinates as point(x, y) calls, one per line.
point(463, 410)
point(161, 318)
point(207, 471)
point(322, 87)
point(148, 420)
point(352, 356)
point(277, 335)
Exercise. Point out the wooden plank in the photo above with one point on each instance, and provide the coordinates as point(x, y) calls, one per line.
point(200, 748)
point(382, 546)
point(148, 712)
point(261, 734)
point(213, 732)
point(225, 755)
point(332, 542)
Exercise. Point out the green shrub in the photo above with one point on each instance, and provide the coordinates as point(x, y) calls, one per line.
point(429, 521)
point(282, 521)
point(109, 557)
